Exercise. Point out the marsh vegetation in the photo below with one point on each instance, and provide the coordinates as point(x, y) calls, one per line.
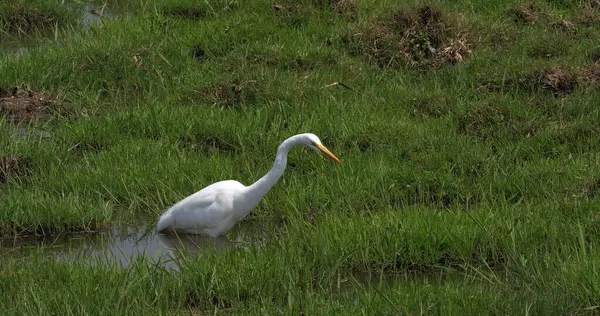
point(469, 134)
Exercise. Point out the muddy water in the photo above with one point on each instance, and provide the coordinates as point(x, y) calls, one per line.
point(120, 247)
point(96, 15)
point(92, 15)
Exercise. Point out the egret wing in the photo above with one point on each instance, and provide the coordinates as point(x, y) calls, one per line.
point(207, 208)
point(198, 211)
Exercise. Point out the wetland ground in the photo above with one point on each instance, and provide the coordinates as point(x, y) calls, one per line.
point(469, 133)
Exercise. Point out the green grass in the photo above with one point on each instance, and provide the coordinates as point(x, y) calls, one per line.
point(466, 187)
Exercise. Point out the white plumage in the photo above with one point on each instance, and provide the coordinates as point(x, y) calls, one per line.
point(215, 209)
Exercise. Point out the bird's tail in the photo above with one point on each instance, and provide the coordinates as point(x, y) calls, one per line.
point(164, 223)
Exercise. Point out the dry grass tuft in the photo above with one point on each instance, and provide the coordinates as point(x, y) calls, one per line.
point(12, 167)
point(423, 36)
point(232, 95)
point(590, 15)
point(525, 14)
point(590, 75)
point(565, 26)
point(26, 19)
point(558, 81)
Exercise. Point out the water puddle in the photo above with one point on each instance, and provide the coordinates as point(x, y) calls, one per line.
point(121, 247)
point(20, 45)
point(92, 15)
point(26, 133)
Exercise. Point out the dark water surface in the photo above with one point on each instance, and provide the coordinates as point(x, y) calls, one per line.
point(123, 246)
point(92, 15)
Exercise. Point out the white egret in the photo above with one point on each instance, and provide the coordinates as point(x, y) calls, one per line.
point(215, 209)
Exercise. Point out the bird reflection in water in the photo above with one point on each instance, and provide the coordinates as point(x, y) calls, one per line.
point(119, 247)
point(180, 244)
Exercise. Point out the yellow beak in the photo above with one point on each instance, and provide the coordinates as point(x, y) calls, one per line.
point(327, 153)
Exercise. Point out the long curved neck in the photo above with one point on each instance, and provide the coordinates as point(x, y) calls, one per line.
point(260, 188)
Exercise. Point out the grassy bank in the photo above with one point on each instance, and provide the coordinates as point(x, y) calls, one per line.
point(469, 141)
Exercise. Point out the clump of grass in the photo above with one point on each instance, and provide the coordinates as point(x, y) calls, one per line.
point(93, 145)
point(207, 144)
point(594, 55)
point(346, 8)
point(566, 27)
point(525, 14)
point(590, 3)
point(483, 121)
point(549, 47)
point(191, 13)
point(26, 18)
point(589, 16)
point(436, 194)
point(195, 10)
point(558, 81)
point(495, 122)
point(575, 138)
point(12, 167)
point(424, 36)
point(590, 75)
point(232, 95)
point(430, 107)
point(500, 40)
point(592, 190)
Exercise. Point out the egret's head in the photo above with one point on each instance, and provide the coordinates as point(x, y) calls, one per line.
point(314, 143)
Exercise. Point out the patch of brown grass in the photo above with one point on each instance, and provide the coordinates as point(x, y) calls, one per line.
point(26, 18)
point(565, 26)
point(589, 16)
point(345, 7)
point(422, 36)
point(525, 14)
point(590, 75)
point(556, 80)
point(12, 167)
point(501, 40)
point(207, 144)
point(231, 95)
point(26, 105)
point(591, 190)
point(455, 51)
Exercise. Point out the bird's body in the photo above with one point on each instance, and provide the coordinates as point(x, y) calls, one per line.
point(206, 212)
point(215, 209)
